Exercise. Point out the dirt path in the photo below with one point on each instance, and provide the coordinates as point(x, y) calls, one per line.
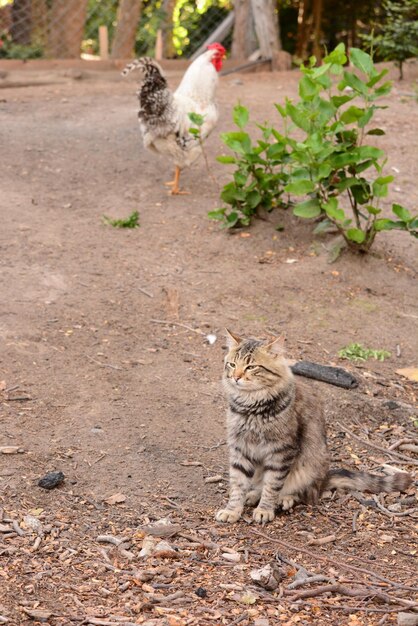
point(118, 400)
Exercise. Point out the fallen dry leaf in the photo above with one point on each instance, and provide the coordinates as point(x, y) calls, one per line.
point(117, 498)
point(411, 373)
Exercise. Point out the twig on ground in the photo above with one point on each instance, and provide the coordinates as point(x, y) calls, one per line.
point(401, 442)
point(369, 592)
point(386, 511)
point(113, 367)
point(369, 444)
point(354, 523)
point(341, 564)
point(144, 291)
point(174, 323)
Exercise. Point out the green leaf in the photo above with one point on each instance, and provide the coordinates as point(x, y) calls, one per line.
point(376, 131)
point(362, 61)
point(373, 81)
point(240, 178)
point(332, 210)
point(382, 91)
point(365, 119)
point(308, 89)
point(240, 116)
point(338, 101)
point(196, 119)
point(373, 210)
point(298, 117)
point(401, 212)
point(352, 114)
point(275, 150)
point(218, 214)
point(326, 110)
point(226, 159)
point(355, 234)
point(309, 208)
point(281, 110)
point(319, 71)
point(337, 56)
point(354, 82)
point(239, 142)
point(369, 152)
point(361, 193)
point(232, 219)
point(253, 199)
point(385, 224)
point(300, 187)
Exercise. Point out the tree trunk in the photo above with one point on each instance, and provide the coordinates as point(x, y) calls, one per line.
point(67, 19)
point(21, 22)
point(317, 20)
point(267, 29)
point(169, 51)
point(127, 21)
point(243, 15)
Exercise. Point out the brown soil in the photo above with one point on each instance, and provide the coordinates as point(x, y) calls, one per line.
point(108, 375)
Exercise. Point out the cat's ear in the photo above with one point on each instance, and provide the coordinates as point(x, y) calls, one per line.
point(232, 340)
point(277, 345)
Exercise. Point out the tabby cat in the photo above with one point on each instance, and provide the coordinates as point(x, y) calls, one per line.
point(277, 437)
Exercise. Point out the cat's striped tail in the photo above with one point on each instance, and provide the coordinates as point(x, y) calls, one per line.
point(362, 481)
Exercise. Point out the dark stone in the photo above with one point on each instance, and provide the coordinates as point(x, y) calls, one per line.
point(201, 592)
point(51, 480)
point(392, 405)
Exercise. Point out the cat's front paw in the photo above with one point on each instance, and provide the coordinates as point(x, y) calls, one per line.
point(262, 516)
point(228, 515)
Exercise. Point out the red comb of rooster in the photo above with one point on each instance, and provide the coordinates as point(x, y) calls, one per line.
point(217, 46)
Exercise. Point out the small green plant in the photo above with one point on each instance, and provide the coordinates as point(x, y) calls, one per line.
point(397, 37)
point(259, 176)
point(356, 352)
point(129, 222)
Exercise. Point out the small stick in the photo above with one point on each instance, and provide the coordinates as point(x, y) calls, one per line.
point(144, 291)
point(386, 511)
point(111, 539)
point(173, 323)
point(401, 442)
point(396, 455)
point(113, 367)
point(36, 543)
point(354, 523)
point(322, 557)
point(17, 529)
point(354, 593)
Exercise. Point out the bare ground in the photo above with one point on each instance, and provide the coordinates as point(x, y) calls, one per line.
point(109, 378)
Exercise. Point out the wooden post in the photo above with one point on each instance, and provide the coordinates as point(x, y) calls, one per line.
point(267, 30)
point(103, 42)
point(159, 45)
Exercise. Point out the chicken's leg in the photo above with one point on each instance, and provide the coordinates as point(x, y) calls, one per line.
point(175, 184)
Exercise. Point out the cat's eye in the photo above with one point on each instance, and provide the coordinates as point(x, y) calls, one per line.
point(231, 365)
point(250, 367)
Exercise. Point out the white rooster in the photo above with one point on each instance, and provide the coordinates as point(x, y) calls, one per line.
point(164, 115)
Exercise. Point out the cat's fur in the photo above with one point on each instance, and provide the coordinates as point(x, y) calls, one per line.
point(277, 437)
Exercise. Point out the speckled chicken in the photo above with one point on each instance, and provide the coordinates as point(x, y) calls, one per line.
point(164, 115)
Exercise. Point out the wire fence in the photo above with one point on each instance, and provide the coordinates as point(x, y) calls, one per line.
point(109, 28)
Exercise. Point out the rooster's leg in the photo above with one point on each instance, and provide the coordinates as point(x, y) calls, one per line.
point(175, 184)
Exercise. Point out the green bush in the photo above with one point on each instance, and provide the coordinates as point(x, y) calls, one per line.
point(322, 155)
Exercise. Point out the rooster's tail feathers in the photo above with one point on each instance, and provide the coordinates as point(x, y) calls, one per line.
point(146, 64)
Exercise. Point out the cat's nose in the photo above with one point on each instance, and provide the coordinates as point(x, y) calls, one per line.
point(238, 375)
